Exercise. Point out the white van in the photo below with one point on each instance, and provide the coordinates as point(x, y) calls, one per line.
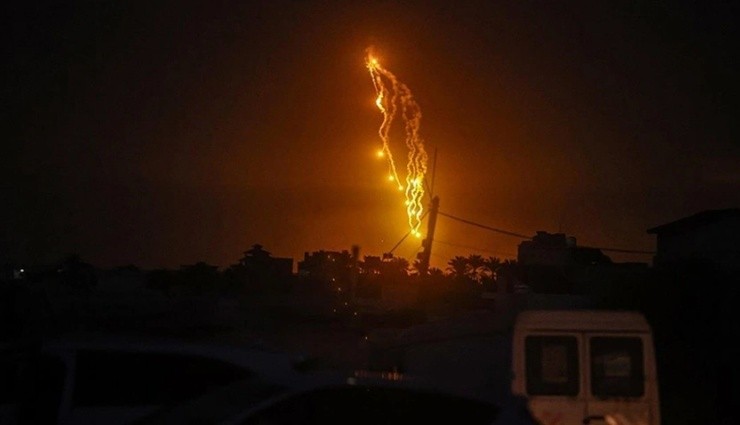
point(586, 366)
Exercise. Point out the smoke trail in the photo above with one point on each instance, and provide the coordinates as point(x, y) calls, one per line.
point(394, 96)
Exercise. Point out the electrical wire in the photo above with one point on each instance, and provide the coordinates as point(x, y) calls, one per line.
point(623, 251)
point(407, 234)
point(509, 255)
point(519, 235)
point(483, 226)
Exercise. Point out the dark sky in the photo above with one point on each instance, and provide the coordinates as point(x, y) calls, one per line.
point(164, 133)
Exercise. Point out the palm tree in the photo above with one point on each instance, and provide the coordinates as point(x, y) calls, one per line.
point(435, 272)
point(493, 264)
point(476, 264)
point(458, 267)
point(414, 267)
point(396, 266)
point(492, 269)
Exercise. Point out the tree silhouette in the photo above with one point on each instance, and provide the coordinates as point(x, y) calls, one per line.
point(458, 267)
point(494, 265)
point(435, 272)
point(493, 269)
point(414, 267)
point(396, 266)
point(476, 268)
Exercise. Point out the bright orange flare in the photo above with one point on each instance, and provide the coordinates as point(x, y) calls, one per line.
point(379, 102)
point(394, 96)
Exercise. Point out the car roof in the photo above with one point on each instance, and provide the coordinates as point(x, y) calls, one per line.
point(235, 403)
point(148, 343)
point(225, 403)
point(584, 320)
point(261, 360)
point(384, 387)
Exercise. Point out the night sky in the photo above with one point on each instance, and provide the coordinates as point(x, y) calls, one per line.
point(165, 133)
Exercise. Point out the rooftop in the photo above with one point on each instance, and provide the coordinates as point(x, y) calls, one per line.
point(696, 220)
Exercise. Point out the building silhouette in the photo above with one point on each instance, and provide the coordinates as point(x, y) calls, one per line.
point(708, 238)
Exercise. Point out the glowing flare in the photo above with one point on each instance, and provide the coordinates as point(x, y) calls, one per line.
point(379, 102)
point(394, 99)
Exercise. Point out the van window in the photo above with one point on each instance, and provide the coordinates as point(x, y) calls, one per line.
point(552, 365)
point(617, 367)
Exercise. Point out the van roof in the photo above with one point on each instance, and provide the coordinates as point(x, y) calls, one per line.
point(582, 320)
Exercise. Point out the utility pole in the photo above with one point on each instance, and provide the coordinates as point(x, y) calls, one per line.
point(424, 256)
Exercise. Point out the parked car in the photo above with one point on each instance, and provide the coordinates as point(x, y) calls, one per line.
point(336, 400)
point(75, 381)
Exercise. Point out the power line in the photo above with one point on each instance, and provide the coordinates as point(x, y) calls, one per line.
point(483, 226)
point(399, 242)
point(624, 251)
point(501, 231)
point(475, 249)
point(416, 250)
point(407, 234)
point(518, 235)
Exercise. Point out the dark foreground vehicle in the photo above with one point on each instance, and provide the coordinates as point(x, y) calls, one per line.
point(116, 381)
point(358, 403)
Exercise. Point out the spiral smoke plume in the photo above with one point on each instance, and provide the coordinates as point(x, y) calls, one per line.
point(396, 102)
